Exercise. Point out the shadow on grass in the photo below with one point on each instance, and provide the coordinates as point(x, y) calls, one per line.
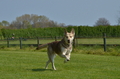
point(40, 70)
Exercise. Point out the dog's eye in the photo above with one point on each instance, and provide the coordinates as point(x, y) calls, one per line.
point(70, 36)
point(66, 36)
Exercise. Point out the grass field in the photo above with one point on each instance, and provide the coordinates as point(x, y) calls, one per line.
point(98, 41)
point(30, 65)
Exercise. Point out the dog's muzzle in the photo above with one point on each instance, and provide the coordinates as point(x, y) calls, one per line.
point(68, 41)
point(68, 59)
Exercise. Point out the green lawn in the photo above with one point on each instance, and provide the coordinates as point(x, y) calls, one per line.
point(30, 65)
point(98, 41)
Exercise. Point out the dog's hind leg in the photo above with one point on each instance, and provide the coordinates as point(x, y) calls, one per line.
point(51, 56)
point(48, 52)
point(47, 64)
point(52, 61)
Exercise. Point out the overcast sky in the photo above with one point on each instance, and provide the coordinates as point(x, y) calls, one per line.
point(70, 12)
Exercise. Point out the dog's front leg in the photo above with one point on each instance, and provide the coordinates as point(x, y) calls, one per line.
point(67, 58)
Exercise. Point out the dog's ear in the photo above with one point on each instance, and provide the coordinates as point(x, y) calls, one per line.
point(65, 31)
point(73, 31)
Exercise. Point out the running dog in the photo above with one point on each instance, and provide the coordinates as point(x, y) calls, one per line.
point(62, 48)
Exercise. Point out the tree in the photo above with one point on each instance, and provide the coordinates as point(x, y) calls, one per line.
point(35, 21)
point(118, 21)
point(1, 24)
point(102, 22)
point(118, 18)
point(4, 23)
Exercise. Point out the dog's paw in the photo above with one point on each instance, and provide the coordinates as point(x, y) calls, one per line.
point(54, 69)
point(66, 60)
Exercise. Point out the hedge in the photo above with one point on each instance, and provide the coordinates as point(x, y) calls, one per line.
point(81, 31)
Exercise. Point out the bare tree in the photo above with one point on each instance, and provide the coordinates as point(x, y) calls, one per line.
point(1, 24)
point(118, 18)
point(35, 21)
point(118, 21)
point(102, 21)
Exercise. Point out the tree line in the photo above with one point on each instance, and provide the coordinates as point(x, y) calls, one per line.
point(81, 31)
point(35, 21)
point(30, 21)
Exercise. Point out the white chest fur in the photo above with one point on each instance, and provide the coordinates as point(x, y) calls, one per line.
point(66, 51)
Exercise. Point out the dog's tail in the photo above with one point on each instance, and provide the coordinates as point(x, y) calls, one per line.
point(41, 46)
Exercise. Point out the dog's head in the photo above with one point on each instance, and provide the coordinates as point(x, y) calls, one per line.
point(68, 37)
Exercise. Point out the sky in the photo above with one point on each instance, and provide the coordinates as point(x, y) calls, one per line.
point(70, 12)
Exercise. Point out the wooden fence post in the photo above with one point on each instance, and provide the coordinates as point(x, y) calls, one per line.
point(104, 40)
point(38, 42)
point(75, 42)
point(55, 38)
point(8, 45)
point(20, 42)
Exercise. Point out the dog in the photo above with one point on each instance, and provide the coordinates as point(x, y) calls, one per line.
point(62, 48)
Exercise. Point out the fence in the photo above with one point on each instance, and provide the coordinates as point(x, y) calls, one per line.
point(78, 41)
point(19, 41)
